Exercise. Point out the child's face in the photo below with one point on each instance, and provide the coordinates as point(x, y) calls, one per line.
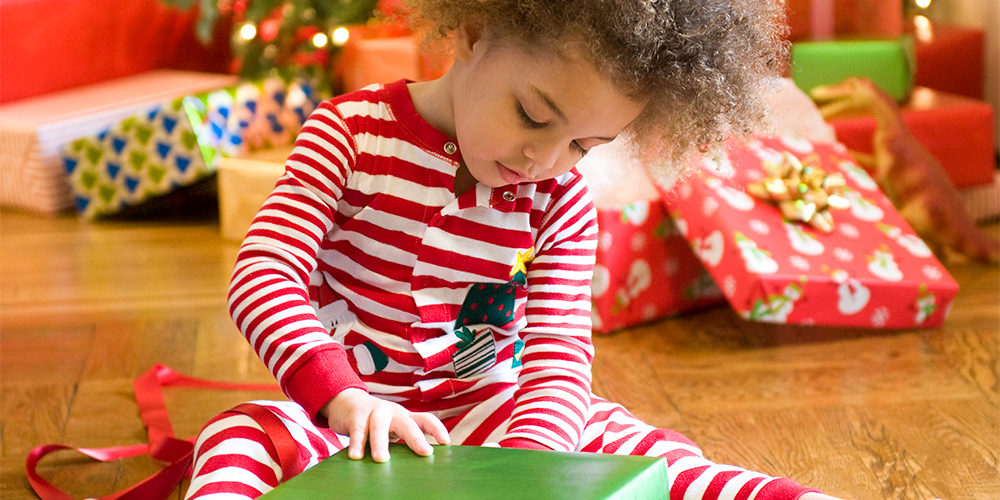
point(523, 116)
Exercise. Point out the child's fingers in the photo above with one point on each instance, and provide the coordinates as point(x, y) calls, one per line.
point(431, 425)
point(379, 424)
point(407, 429)
point(356, 448)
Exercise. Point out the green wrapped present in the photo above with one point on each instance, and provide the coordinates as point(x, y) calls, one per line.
point(889, 63)
point(480, 473)
point(142, 157)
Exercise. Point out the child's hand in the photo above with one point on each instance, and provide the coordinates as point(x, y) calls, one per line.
point(360, 416)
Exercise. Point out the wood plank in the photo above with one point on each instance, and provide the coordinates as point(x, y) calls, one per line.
point(974, 353)
point(784, 442)
point(922, 431)
point(44, 354)
point(866, 437)
point(860, 413)
point(871, 369)
point(624, 375)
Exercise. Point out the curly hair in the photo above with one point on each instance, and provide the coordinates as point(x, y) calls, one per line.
point(703, 65)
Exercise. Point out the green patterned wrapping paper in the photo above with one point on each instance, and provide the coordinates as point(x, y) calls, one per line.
point(142, 157)
point(177, 143)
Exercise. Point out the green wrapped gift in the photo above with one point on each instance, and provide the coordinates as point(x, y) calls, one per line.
point(480, 473)
point(142, 157)
point(888, 63)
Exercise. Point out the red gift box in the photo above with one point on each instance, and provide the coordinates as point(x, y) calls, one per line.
point(385, 53)
point(957, 130)
point(645, 269)
point(949, 57)
point(871, 270)
point(822, 19)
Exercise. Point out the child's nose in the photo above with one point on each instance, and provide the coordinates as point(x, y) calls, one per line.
point(544, 156)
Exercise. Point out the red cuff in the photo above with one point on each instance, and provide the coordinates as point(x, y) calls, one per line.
point(316, 381)
point(524, 444)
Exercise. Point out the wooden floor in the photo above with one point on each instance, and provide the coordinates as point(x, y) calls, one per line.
point(85, 308)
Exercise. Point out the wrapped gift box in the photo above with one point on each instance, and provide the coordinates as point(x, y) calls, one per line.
point(645, 268)
point(180, 142)
point(822, 19)
point(386, 53)
point(957, 130)
point(33, 131)
point(888, 63)
point(982, 203)
point(260, 115)
point(144, 156)
point(871, 270)
point(480, 473)
point(950, 58)
point(244, 184)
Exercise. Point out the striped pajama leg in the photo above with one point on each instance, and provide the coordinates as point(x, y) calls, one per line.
point(612, 429)
point(246, 452)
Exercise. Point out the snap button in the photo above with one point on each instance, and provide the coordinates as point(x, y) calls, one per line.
point(508, 195)
point(450, 148)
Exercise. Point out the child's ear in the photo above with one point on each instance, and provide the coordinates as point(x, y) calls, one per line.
point(468, 34)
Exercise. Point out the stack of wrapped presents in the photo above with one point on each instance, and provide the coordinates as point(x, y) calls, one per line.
point(786, 228)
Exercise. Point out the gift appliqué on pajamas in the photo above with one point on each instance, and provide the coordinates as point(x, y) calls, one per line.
point(490, 304)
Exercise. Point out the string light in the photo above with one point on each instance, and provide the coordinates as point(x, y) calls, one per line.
point(319, 40)
point(340, 36)
point(923, 4)
point(922, 28)
point(248, 31)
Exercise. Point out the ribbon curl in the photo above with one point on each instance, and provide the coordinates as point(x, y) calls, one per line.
point(802, 192)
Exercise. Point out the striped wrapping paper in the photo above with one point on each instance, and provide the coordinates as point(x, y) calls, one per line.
point(33, 131)
point(982, 203)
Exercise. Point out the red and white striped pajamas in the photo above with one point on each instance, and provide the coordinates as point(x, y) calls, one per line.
point(363, 269)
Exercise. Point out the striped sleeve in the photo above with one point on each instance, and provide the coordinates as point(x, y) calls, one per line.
point(268, 294)
point(553, 396)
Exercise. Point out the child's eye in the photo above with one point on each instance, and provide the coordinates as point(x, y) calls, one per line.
point(527, 119)
point(579, 149)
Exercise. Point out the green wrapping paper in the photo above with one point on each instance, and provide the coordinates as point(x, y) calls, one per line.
point(480, 473)
point(890, 64)
point(142, 157)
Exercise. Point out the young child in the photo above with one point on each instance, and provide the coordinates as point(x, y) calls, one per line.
point(422, 271)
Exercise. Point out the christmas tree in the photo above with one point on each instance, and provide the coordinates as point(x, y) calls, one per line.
point(293, 38)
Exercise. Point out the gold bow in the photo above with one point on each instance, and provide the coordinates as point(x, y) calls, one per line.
point(802, 192)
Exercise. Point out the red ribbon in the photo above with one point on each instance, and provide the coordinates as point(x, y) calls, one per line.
point(162, 446)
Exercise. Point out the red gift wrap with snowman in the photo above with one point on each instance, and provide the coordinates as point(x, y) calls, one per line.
point(794, 231)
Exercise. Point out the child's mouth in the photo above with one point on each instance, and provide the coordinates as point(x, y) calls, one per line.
point(509, 176)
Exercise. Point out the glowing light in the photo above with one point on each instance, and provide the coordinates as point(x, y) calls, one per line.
point(922, 28)
point(248, 31)
point(320, 40)
point(923, 4)
point(340, 36)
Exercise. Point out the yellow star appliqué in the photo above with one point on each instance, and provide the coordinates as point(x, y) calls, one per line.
point(523, 258)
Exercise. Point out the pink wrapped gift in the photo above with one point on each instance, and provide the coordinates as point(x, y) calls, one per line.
point(870, 270)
